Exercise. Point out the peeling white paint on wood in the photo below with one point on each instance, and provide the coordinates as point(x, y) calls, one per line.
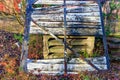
point(69, 31)
point(69, 24)
point(56, 66)
point(96, 60)
point(69, 9)
point(91, 14)
point(83, 17)
point(86, 17)
point(52, 72)
point(60, 2)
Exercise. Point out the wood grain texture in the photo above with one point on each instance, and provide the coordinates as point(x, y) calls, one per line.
point(69, 24)
point(69, 9)
point(68, 2)
point(70, 31)
point(83, 17)
point(71, 17)
point(56, 66)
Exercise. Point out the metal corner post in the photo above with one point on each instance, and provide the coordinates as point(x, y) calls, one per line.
point(65, 44)
point(104, 36)
point(24, 55)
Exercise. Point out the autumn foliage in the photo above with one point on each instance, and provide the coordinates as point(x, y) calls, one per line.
point(9, 5)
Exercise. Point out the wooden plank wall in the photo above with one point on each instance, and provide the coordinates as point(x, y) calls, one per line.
point(83, 17)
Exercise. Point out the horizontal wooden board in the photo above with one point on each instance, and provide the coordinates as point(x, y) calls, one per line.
point(69, 24)
point(70, 31)
point(51, 72)
point(70, 37)
point(57, 65)
point(70, 42)
point(95, 60)
point(68, 2)
point(69, 9)
point(57, 51)
point(70, 17)
point(89, 14)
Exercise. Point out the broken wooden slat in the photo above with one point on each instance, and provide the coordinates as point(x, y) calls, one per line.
point(60, 2)
point(57, 65)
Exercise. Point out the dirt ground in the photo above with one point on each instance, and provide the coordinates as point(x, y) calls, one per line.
point(10, 55)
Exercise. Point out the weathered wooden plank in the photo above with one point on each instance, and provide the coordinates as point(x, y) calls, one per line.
point(72, 61)
point(69, 9)
point(80, 17)
point(113, 40)
point(89, 14)
point(57, 51)
point(57, 65)
point(69, 24)
point(51, 72)
point(71, 67)
point(70, 37)
point(69, 41)
point(68, 2)
point(70, 31)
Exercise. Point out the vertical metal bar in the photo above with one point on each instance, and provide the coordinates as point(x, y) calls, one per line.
point(24, 55)
point(104, 36)
point(65, 45)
